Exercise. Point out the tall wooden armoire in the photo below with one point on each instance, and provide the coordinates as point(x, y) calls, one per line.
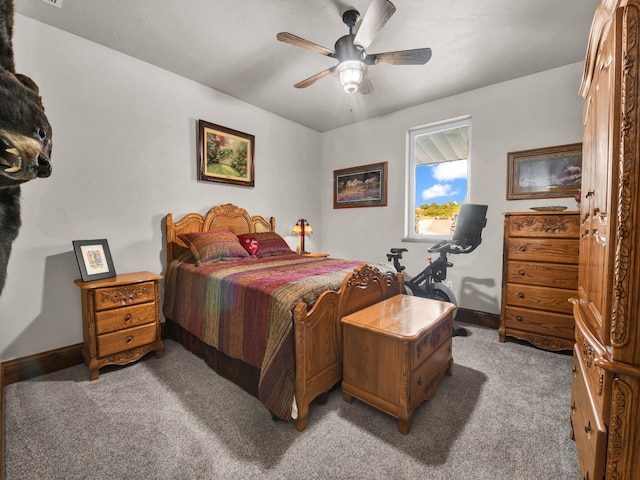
point(605, 402)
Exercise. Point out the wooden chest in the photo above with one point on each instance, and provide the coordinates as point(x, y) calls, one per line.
point(121, 319)
point(540, 274)
point(396, 352)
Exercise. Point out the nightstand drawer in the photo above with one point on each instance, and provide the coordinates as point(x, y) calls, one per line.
point(430, 371)
point(125, 295)
point(123, 340)
point(430, 341)
point(127, 317)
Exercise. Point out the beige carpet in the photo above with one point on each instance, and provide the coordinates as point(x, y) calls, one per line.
point(504, 414)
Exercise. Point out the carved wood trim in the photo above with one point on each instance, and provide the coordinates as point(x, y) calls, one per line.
point(126, 294)
point(617, 427)
point(627, 178)
point(550, 224)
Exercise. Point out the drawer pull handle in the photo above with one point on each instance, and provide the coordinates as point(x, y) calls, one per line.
point(522, 273)
point(574, 369)
point(419, 381)
point(519, 318)
point(128, 317)
point(129, 339)
point(573, 406)
point(587, 427)
point(586, 476)
point(520, 295)
point(523, 249)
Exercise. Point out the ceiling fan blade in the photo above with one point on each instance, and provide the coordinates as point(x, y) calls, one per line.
point(418, 56)
point(311, 80)
point(377, 15)
point(301, 42)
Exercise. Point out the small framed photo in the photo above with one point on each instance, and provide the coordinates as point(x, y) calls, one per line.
point(550, 172)
point(94, 259)
point(225, 155)
point(364, 186)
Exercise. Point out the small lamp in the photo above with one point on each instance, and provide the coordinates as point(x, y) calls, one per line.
point(302, 228)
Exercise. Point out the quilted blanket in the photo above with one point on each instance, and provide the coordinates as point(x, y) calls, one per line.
point(244, 308)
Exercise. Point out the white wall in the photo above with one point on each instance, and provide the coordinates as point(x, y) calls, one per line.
point(535, 111)
point(124, 155)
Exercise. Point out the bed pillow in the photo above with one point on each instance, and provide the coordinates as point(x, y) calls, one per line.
point(249, 243)
point(213, 246)
point(269, 244)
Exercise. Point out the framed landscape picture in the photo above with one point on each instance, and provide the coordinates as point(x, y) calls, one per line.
point(364, 186)
point(225, 155)
point(550, 172)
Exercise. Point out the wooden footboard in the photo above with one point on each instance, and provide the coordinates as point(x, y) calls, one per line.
point(318, 332)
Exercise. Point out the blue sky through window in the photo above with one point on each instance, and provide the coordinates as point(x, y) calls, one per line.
point(441, 182)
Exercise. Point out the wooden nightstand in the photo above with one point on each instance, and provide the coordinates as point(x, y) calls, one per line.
point(314, 254)
point(120, 319)
point(395, 354)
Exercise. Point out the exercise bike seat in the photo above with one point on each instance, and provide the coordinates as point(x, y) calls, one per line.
point(467, 234)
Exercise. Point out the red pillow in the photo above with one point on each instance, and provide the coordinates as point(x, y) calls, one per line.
point(250, 244)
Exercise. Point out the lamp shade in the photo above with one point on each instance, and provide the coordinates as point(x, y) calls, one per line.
point(351, 74)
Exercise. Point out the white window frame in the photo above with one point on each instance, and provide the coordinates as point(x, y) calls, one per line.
point(410, 234)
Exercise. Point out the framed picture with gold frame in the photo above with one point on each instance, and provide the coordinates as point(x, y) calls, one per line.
point(225, 155)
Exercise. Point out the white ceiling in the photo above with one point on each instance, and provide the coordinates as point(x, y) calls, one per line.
point(231, 46)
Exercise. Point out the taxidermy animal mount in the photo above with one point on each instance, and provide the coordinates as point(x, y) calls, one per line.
point(25, 138)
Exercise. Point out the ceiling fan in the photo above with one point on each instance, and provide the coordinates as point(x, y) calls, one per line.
point(350, 50)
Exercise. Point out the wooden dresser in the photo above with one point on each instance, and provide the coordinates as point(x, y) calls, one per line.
point(605, 400)
point(540, 275)
point(121, 319)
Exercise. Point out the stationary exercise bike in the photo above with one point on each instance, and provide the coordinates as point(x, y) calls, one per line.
point(429, 282)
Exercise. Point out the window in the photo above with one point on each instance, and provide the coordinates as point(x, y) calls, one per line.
point(437, 178)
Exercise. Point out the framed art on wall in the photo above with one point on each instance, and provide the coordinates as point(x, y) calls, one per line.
point(225, 155)
point(550, 172)
point(364, 186)
point(94, 259)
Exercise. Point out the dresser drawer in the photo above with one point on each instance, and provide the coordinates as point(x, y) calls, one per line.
point(126, 317)
point(543, 274)
point(588, 429)
point(552, 226)
point(543, 250)
point(422, 384)
point(124, 295)
point(543, 298)
point(123, 340)
point(539, 322)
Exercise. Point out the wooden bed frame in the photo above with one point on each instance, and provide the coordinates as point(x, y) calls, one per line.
point(317, 332)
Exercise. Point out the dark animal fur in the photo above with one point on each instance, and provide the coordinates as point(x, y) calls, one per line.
point(25, 138)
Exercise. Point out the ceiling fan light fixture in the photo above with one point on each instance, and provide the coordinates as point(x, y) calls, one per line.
point(351, 73)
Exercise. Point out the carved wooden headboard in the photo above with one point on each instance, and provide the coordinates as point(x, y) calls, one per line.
point(221, 217)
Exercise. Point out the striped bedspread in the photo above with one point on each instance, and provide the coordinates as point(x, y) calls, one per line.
point(244, 308)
